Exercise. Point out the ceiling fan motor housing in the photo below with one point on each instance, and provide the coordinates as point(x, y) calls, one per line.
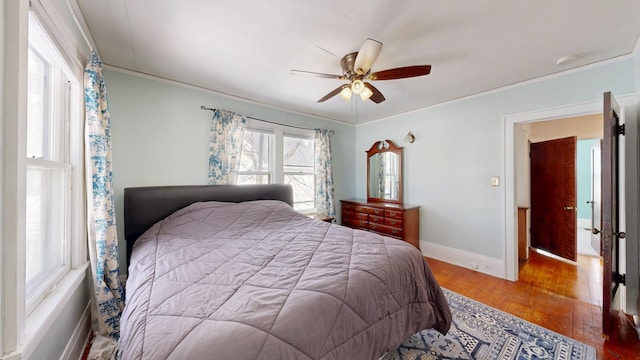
point(347, 67)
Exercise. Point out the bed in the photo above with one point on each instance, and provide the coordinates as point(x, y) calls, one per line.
point(233, 272)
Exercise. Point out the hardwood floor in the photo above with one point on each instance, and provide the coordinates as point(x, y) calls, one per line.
point(557, 295)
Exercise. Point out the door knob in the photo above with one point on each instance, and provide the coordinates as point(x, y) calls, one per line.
point(621, 234)
point(568, 207)
point(595, 231)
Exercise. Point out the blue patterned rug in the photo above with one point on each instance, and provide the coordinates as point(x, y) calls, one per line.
point(482, 332)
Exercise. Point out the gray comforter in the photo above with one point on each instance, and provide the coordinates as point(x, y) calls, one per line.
point(257, 280)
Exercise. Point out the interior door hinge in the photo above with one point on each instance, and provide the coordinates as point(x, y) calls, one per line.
point(620, 279)
point(620, 129)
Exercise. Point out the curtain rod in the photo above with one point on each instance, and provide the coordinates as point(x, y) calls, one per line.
point(267, 121)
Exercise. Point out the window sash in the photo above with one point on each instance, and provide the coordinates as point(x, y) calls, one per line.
point(264, 162)
point(48, 237)
point(300, 173)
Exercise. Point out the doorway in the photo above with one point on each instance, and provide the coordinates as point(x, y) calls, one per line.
point(518, 129)
point(614, 211)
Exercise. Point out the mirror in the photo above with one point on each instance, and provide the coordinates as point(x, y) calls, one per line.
point(384, 172)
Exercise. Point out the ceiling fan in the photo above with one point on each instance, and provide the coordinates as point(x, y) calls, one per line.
point(356, 67)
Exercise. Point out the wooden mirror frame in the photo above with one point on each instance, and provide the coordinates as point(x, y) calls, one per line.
point(378, 147)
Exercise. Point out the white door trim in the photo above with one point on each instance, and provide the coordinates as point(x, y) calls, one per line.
point(510, 122)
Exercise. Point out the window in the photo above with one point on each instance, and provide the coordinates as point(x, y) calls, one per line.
point(48, 168)
point(255, 158)
point(299, 171)
point(279, 155)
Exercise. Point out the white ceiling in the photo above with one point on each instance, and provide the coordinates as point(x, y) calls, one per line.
point(245, 48)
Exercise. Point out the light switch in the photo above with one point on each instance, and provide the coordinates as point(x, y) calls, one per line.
point(495, 181)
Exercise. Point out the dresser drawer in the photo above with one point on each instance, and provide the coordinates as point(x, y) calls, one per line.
point(395, 214)
point(346, 214)
point(360, 224)
point(386, 229)
point(370, 210)
point(361, 216)
point(348, 206)
point(393, 222)
point(376, 219)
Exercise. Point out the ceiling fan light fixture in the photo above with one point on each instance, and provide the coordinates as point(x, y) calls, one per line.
point(346, 93)
point(366, 94)
point(357, 86)
point(367, 56)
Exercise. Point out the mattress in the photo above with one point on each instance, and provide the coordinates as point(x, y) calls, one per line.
point(258, 280)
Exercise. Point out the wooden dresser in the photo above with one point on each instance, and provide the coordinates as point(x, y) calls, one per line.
point(392, 220)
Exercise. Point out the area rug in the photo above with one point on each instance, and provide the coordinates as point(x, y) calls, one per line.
point(481, 332)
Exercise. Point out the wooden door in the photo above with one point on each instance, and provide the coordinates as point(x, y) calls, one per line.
point(610, 232)
point(553, 197)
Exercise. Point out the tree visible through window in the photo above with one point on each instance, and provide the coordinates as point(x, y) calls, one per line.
point(295, 165)
point(299, 171)
point(255, 164)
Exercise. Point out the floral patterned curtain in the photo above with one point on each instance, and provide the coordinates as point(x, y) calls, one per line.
point(108, 294)
point(227, 131)
point(324, 181)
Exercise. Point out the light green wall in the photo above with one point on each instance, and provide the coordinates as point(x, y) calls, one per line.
point(583, 177)
point(160, 136)
point(460, 145)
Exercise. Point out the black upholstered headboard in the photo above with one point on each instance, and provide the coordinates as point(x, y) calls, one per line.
point(145, 206)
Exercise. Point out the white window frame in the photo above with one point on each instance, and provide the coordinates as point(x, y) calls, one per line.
point(276, 160)
point(58, 152)
point(314, 173)
point(270, 171)
point(21, 331)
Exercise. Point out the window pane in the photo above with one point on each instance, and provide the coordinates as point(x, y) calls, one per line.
point(45, 220)
point(298, 154)
point(38, 114)
point(303, 190)
point(252, 179)
point(255, 151)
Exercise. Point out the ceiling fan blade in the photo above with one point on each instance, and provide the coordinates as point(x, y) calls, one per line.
point(377, 96)
point(317, 74)
point(367, 56)
point(401, 72)
point(333, 93)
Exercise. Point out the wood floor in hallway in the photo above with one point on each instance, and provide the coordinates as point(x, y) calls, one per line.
point(554, 294)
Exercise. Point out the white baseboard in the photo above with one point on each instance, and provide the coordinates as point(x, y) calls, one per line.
point(78, 342)
point(481, 263)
